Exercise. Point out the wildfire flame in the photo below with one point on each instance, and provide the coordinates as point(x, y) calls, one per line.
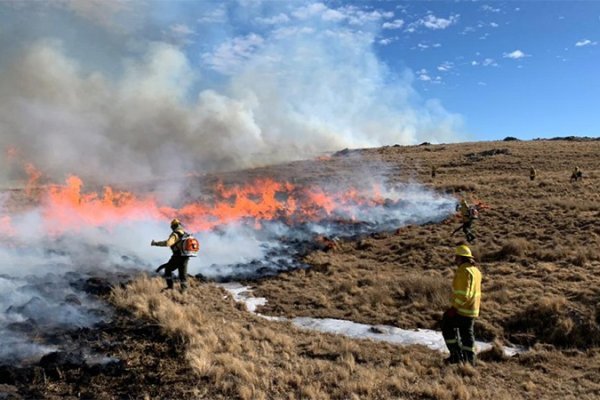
point(67, 207)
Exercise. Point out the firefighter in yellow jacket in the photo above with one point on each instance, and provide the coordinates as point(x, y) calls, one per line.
point(177, 261)
point(458, 321)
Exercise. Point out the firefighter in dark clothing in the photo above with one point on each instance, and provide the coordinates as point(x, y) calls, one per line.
point(577, 175)
point(177, 261)
point(468, 214)
point(458, 321)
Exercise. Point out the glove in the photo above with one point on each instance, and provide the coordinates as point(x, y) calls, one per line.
point(159, 269)
point(451, 312)
point(153, 243)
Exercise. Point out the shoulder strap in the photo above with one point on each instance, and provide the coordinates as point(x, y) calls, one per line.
point(180, 234)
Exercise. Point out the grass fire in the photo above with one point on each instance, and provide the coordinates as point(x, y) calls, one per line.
point(364, 238)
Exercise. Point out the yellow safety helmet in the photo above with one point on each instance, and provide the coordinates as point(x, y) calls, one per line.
point(175, 223)
point(463, 251)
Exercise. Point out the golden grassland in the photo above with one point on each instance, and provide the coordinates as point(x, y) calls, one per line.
point(236, 354)
point(538, 248)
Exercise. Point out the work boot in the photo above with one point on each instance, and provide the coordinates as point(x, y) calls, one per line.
point(169, 285)
point(455, 357)
point(183, 287)
point(468, 357)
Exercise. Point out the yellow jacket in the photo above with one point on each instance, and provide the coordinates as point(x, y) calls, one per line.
point(172, 241)
point(466, 290)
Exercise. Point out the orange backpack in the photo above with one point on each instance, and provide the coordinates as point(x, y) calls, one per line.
point(188, 245)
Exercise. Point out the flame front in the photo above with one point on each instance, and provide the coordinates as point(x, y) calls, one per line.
point(68, 207)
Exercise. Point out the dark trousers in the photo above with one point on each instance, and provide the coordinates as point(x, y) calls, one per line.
point(466, 228)
point(178, 263)
point(459, 335)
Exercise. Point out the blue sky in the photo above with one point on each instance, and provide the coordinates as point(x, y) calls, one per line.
point(528, 69)
point(230, 84)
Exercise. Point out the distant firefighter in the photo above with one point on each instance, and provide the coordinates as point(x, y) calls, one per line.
point(458, 321)
point(532, 174)
point(468, 215)
point(433, 171)
point(183, 245)
point(577, 175)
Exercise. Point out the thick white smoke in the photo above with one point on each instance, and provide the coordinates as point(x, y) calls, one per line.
point(151, 105)
point(44, 270)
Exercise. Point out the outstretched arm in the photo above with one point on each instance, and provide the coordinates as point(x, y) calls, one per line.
point(166, 243)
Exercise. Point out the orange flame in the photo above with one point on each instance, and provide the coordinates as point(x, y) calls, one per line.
point(67, 207)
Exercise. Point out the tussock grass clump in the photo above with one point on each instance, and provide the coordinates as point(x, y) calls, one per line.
point(419, 287)
point(511, 249)
point(555, 321)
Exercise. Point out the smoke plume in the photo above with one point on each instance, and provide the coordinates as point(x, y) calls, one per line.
point(142, 92)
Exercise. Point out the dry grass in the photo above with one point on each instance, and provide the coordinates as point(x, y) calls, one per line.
point(235, 354)
point(242, 356)
point(537, 248)
point(535, 239)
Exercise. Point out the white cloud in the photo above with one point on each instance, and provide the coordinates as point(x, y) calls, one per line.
point(310, 10)
point(480, 83)
point(515, 55)
point(430, 21)
point(489, 8)
point(291, 31)
point(433, 22)
point(217, 15)
point(386, 41)
point(274, 20)
point(395, 24)
point(489, 62)
point(585, 42)
point(445, 66)
point(424, 46)
point(424, 76)
point(182, 30)
point(474, 63)
point(231, 54)
point(467, 30)
point(350, 14)
point(494, 24)
point(333, 15)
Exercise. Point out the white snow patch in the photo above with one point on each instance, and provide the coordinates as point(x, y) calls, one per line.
point(385, 333)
